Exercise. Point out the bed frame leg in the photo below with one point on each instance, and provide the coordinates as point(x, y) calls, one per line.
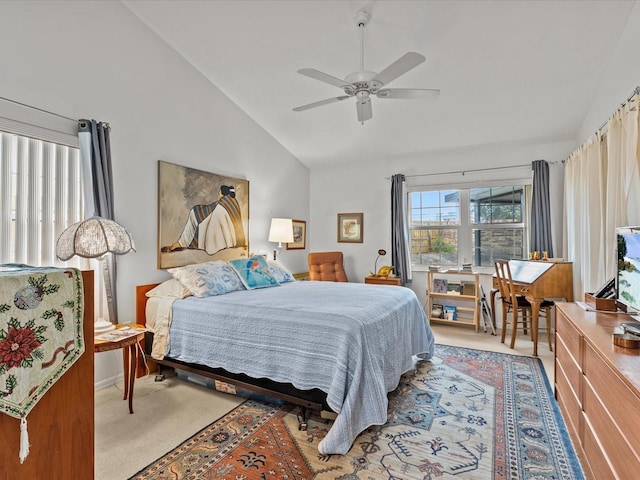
point(303, 416)
point(159, 376)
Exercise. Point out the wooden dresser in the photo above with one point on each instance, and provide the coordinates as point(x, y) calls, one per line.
point(597, 386)
point(61, 425)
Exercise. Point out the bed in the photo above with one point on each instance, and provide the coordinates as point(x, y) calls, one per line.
point(318, 344)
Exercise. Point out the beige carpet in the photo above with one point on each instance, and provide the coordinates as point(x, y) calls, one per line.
point(165, 413)
point(168, 413)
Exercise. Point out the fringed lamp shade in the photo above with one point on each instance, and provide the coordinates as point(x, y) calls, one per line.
point(93, 238)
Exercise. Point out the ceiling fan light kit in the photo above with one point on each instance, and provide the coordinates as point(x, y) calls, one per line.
point(363, 84)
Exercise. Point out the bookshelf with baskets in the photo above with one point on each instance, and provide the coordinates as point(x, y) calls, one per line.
point(453, 297)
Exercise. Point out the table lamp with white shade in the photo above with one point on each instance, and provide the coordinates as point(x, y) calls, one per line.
point(281, 231)
point(96, 237)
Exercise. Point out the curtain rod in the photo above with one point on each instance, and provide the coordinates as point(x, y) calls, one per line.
point(462, 172)
point(39, 109)
point(635, 92)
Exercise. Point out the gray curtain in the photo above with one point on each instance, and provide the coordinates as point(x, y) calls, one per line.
point(400, 257)
point(95, 151)
point(541, 209)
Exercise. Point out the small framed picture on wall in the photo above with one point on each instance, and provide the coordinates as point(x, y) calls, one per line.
point(299, 235)
point(350, 227)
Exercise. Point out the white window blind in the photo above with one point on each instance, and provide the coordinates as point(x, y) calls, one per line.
point(40, 184)
point(40, 195)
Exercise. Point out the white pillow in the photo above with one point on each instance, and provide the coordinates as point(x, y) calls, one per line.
point(169, 288)
point(208, 279)
point(281, 273)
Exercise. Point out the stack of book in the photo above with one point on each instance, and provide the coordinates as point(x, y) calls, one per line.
point(468, 288)
point(450, 312)
point(437, 310)
point(454, 287)
point(466, 267)
point(440, 285)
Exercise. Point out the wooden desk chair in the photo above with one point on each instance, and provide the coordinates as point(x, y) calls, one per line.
point(517, 305)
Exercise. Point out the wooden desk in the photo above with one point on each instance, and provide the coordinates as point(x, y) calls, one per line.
point(537, 280)
point(129, 357)
point(383, 280)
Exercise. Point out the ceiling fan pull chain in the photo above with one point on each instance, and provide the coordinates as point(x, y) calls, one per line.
point(361, 47)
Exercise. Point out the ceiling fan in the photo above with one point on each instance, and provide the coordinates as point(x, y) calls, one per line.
point(363, 84)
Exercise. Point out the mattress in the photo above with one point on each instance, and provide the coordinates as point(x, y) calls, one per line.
point(352, 341)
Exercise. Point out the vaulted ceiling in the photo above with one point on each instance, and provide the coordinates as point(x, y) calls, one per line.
point(508, 71)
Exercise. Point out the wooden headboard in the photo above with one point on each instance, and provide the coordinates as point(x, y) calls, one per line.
point(141, 302)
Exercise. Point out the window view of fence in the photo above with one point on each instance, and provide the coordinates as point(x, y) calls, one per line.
point(478, 225)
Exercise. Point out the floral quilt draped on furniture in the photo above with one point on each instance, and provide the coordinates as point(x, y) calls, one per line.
point(41, 334)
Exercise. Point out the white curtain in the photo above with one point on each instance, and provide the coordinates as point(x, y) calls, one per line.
point(602, 192)
point(583, 187)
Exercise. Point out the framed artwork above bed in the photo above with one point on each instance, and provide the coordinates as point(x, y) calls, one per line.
point(202, 216)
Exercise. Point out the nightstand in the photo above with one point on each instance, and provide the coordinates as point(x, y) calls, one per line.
point(383, 280)
point(130, 346)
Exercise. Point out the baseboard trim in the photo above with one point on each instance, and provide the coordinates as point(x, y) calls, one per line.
point(108, 382)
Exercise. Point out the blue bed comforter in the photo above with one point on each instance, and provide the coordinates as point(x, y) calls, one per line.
point(352, 341)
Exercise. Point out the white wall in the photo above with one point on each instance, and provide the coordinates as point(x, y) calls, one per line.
point(96, 60)
point(367, 188)
point(621, 78)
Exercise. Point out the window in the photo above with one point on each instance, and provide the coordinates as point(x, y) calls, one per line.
point(40, 195)
point(434, 227)
point(40, 184)
point(456, 226)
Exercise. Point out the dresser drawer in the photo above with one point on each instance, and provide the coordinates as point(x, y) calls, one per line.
point(570, 336)
point(622, 405)
point(598, 462)
point(568, 400)
point(564, 360)
point(621, 455)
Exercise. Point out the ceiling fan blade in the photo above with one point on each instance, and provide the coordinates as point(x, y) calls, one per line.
point(409, 93)
point(323, 77)
point(320, 103)
point(399, 67)
point(364, 110)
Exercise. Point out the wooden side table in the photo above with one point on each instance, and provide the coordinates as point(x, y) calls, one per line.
point(383, 280)
point(303, 276)
point(129, 356)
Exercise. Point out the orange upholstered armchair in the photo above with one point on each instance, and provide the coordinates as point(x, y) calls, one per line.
point(326, 266)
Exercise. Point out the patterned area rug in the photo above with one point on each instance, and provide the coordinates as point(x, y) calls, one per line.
point(466, 414)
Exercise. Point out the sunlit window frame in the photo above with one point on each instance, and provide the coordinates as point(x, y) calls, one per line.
point(465, 228)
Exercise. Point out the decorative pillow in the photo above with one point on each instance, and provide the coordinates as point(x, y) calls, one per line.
point(208, 279)
point(282, 274)
point(254, 272)
point(169, 288)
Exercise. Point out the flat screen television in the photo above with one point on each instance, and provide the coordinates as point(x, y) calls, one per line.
point(628, 269)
